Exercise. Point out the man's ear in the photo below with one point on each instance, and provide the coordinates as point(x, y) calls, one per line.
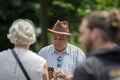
point(96, 33)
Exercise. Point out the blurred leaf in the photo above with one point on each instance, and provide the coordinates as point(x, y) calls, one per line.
point(64, 5)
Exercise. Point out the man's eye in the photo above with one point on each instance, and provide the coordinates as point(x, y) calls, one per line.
point(61, 39)
point(55, 38)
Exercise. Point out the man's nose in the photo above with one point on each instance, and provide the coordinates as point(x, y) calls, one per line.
point(57, 41)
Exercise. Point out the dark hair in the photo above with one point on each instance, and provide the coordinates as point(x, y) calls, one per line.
point(108, 22)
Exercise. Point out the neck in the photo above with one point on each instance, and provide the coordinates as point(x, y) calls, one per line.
point(22, 46)
point(105, 45)
point(60, 52)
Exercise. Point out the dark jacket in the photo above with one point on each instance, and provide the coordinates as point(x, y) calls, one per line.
point(100, 65)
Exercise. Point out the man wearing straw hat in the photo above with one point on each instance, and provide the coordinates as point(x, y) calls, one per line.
point(61, 55)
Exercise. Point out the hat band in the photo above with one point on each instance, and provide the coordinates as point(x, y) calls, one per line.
point(61, 30)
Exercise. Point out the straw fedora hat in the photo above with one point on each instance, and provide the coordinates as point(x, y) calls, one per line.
point(60, 27)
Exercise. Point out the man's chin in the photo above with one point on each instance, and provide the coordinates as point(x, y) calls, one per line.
point(59, 50)
point(88, 49)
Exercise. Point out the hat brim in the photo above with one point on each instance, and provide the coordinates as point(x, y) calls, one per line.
point(65, 33)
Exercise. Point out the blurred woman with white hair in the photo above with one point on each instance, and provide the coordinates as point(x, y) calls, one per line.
point(20, 63)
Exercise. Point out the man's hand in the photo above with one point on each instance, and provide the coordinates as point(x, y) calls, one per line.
point(64, 76)
point(50, 74)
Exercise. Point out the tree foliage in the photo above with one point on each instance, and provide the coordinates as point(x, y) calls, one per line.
point(44, 14)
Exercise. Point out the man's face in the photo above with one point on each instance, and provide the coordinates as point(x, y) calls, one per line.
point(59, 41)
point(85, 36)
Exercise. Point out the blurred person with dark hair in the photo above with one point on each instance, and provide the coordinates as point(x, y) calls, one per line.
point(61, 55)
point(22, 35)
point(100, 35)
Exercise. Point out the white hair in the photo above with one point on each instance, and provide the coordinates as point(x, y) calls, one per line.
point(22, 32)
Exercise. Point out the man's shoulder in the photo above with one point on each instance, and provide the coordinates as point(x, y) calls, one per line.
point(46, 50)
point(49, 47)
point(91, 67)
point(75, 49)
point(72, 46)
point(91, 64)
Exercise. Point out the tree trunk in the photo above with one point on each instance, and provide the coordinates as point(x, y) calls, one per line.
point(44, 23)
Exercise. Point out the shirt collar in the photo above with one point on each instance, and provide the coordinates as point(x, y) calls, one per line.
point(66, 51)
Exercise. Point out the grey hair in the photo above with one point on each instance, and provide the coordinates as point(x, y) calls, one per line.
point(22, 32)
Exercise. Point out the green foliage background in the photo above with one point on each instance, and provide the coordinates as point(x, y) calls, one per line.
point(44, 14)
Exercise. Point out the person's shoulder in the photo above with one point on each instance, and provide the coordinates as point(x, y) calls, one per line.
point(73, 46)
point(47, 47)
point(35, 56)
point(90, 63)
point(75, 49)
point(46, 50)
point(85, 69)
point(4, 52)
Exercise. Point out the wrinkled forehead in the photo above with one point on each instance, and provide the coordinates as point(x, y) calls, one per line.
point(58, 35)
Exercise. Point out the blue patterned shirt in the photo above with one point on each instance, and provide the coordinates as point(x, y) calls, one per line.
point(70, 57)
